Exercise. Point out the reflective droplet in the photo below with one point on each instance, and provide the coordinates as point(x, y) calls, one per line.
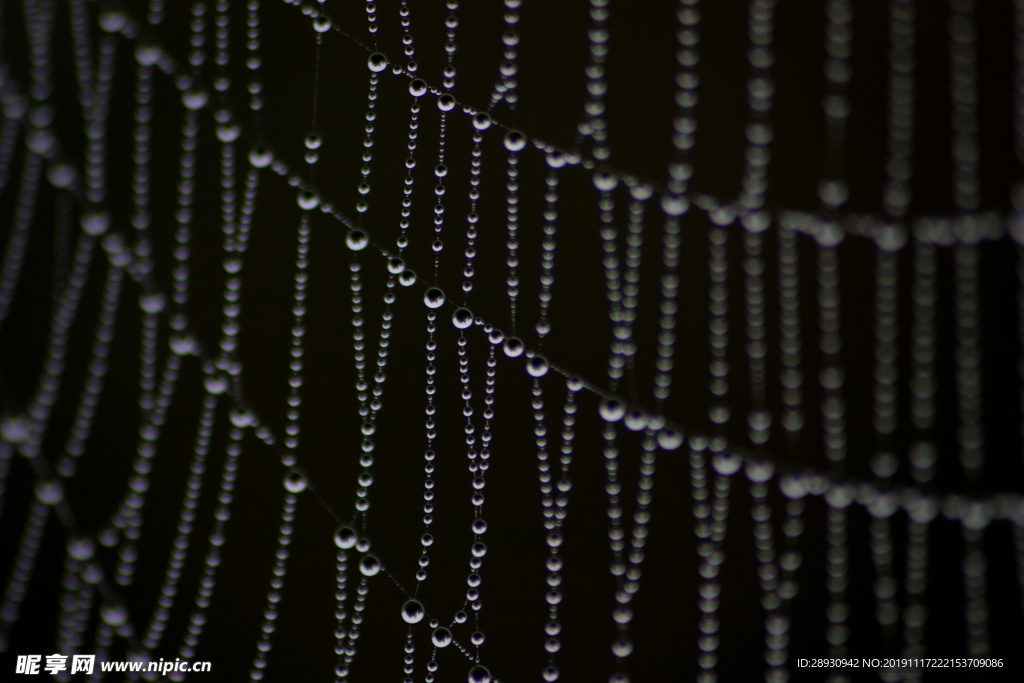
point(294, 482)
point(369, 565)
point(321, 24)
point(726, 464)
point(147, 54)
point(635, 420)
point(515, 141)
point(195, 99)
point(313, 141)
point(556, 160)
point(612, 410)
point(481, 121)
point(479, 674)
point(622, 647)
point(446, 102)
point(395, 265)
point(49, 492)
point(81, 548)
point(605, 181)
point(228, 132)
point(462, 318)
point(574, 384)
point(417, 88)
point(61, 175)
point(495, 336)
point(537, 366)
point(407, 278)
point(441, 171)
point(412, 612)
point(674, 206)
point(356, 240)
point(441, 637)
point(216, 384)
point(95, 223)
point(345, 537)
point(184, 344)
point(14, 428)
point(670, 439)
point(308, 200)
point(260, 157)
point(377, 62)
point(433, 298)
point(514, 347)
point(114, 614)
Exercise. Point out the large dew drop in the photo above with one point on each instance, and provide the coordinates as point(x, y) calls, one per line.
point(462, 318)
point(481, 121)
point(612, 410)
point(412, 612)
point(377, 62)
point(446, 102)
point(345, 537)
point(433, 298)
point(369, 565)
point(395, 265)
point(515, 141)
point(357, 240)
point(294, 482)
point(441, 637)
point(308, 200)
point(479, 674)
point(417, 88)
point(537, 366)
point(514, 347)
point(670, 439)
point(407, 278)
point(260, 157)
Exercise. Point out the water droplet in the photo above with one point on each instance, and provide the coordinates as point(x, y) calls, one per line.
point(112, 20)
point(81, 548)
point(313, 141)
point(635, 420)
point(446, 102)
point(147, 54)
point(612, 410)
point(670, 439)
point(96, 223)
point(622, 647)
point(479, 674)
point(412, 612)
point(433, 298)
point(605, 181)
point(674, 206)
point(377, 62)
point(555, 160)
point(195, 99)
point(308, 200)
point(760, 472)
point(441, 637)
point(260, 157)
point(357, 240)
point(114, 614)
point(61, 175)
point(395, 265)
point(407, 278)
point(321, 24)
point(460, 617)
point(537, 366)
point(184, 344)
point(495, 336)
point(550, 674)
point(515, 141)
point(417, 88)
point(574, 384)
point(241, 418)
point(14, 428)
point(216, 384)
point(49, 492)
point(295, 482)
point(345, 537)
point(726, 464)
point(478, 550)
point(369, 565)
point(462, 318)
point(481, 121)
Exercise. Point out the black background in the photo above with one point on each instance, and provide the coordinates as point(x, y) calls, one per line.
point(553, 52)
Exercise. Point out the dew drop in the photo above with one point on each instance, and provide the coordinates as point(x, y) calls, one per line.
point(441, 637)
point(114, 614)
point(356, 240)
point(407, 278)
point(49, 492)
point(462, 318)
point(479, 674)
point(369, 565)
point(95, 223)
point(260, 157)
point(726, 464)
point(14, 428)
point(417, 88)
point(612, 410)
point(481, 121)
point(446, 102)
point(195, 99)
point(308, 200)
point(635, 420)
point(345, 537)
point(294, 482)
point(321, 24)
point(537, 366)
point(81, 548)
point(395, 265)
point(605, 181)
point(670, 439)
point(514, 347)
point(495, 336)
point(515, 141)
point(433, 298)
point(216, 384)
point(412, 612)
point(313, 141)
point(377, 62)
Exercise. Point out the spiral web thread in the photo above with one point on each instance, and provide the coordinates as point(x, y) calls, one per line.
point(97, 35)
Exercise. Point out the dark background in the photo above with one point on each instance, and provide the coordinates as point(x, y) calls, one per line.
point(553, 51)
